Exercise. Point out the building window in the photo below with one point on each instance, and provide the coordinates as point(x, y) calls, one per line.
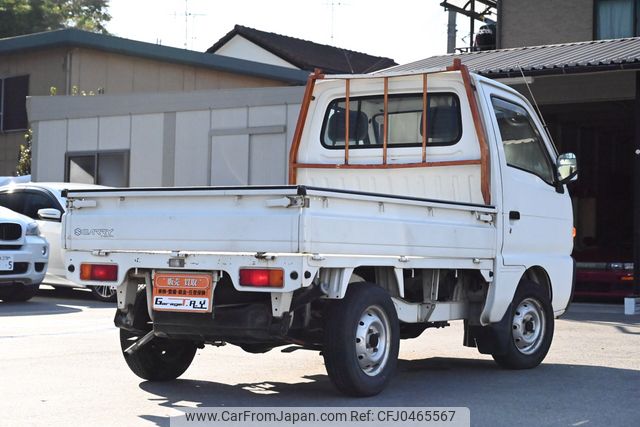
point(13, 109)
point(110, 168)
point(615, 19)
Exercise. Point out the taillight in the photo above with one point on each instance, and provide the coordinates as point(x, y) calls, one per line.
point(99, 272)
point(262, 277)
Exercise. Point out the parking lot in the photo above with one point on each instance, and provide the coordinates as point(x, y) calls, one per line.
point(61, 365)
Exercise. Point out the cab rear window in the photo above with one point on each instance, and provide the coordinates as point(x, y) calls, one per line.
point(404, 118)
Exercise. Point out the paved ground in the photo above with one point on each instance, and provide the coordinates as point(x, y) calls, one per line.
point(60, 365)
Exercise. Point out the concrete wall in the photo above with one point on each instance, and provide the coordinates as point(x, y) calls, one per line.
point(226, 137)
point(540, 22)
point(89, 70)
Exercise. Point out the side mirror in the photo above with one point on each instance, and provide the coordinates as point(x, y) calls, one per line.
point(567, 165)
point(49, 214)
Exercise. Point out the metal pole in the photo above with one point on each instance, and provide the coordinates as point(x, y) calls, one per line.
point(472, 25)
point(451, 32)
point(636, 193)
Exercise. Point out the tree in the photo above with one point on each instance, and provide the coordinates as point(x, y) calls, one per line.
point(19, 17)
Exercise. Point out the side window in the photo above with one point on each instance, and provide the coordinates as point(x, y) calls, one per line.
point(404, 121)
point(13, 200)
point(34, 201)
point(523, 145)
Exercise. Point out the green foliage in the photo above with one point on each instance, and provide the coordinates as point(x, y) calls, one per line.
point(24, 162)
point(19, 17)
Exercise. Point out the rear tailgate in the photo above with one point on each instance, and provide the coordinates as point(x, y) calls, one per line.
point(220, 219)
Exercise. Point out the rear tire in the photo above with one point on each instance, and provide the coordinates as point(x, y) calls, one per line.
point(18, 292)
point(531, 328)
point(362, 340)
point(161, 359)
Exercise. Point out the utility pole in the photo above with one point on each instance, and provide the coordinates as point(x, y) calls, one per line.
point(451, 32)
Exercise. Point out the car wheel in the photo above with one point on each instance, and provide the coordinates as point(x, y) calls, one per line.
point(531, 328)
point(104, 293)
point(18, 292)
point(362, 340)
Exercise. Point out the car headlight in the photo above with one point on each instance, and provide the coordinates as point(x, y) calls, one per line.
point(32, 229)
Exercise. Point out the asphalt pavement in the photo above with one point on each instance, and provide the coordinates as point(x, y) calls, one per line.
point(61, 365)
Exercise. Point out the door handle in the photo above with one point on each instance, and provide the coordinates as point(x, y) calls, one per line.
point(514, 215)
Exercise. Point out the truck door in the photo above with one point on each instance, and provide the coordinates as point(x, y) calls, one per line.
point(537, 219)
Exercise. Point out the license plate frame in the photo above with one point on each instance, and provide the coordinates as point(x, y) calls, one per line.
point(182, 291)
point(6, 263)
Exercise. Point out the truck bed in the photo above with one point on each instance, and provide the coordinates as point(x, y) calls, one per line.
point(286, 219)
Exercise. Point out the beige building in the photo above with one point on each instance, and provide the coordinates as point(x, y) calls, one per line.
point(74, 62)
point(543, 22)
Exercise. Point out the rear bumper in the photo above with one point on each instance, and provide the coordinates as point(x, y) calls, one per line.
point(29, 262)
point(604, 283)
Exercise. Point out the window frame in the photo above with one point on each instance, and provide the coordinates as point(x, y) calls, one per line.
point(390, 146)
point(96, 154)
point(636, 21)
point(545, 145)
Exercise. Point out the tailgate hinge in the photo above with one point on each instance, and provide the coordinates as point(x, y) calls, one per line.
point(81, 203)
point(288, 202)
point(484, 217)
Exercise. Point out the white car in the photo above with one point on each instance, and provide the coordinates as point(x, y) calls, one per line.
point(24, 255)
point(43, 202)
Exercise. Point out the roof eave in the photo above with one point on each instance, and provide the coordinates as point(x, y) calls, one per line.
point(78, 38)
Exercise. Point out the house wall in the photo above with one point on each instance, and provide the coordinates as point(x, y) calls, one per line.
point(46, 69)
point(91, 70)
point(241, 48)
point(533, 23)
point(225, 137)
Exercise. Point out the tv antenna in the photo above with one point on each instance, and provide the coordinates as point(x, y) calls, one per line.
point(188, 15)
point(333, 4)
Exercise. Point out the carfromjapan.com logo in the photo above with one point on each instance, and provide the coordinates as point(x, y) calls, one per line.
point(99, 232)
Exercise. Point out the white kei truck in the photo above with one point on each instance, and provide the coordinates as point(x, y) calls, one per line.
point(413, 200)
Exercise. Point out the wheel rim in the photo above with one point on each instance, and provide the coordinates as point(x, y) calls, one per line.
point(528, 326)
point(373, 340)
point(104, 291)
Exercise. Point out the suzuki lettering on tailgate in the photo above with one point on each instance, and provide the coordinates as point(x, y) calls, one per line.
point(189, 292)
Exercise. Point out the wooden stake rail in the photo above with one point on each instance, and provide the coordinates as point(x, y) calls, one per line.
point(475, 114)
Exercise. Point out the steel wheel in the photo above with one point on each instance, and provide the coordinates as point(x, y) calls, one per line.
point(362, 339)
point(528, 332)
point(528, 326)
point(372, 340)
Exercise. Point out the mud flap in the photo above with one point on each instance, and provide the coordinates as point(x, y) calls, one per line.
point(490, 339)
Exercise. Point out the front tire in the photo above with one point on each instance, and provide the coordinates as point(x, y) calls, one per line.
point(18, 292)
point(362, 340)
point(531, 328)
